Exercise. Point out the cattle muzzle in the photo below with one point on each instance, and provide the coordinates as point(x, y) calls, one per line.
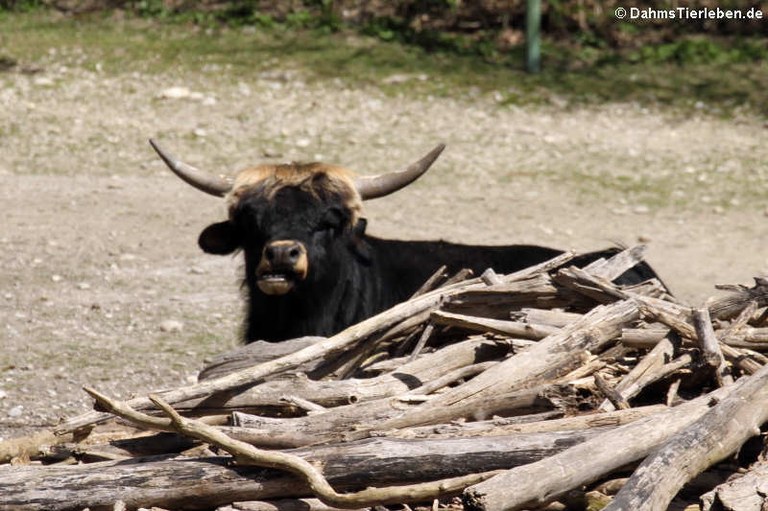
point(283, 264)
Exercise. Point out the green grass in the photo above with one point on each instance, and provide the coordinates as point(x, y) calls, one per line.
point(722, 77)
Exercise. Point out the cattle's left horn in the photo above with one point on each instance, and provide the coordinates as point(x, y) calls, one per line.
point(372, 187)
point(213, 185)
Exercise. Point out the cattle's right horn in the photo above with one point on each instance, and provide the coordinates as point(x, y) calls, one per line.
point(372, 187)
point(207, 183)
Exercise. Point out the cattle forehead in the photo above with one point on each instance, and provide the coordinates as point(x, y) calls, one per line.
point(267, 180)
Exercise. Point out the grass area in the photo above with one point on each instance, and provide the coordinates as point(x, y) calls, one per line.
point(725, 77)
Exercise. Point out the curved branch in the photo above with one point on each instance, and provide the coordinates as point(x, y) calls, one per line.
point(247, 454)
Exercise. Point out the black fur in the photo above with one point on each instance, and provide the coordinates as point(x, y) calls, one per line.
point(352, 276)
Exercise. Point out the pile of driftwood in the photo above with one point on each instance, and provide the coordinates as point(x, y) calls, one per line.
point(551, 388)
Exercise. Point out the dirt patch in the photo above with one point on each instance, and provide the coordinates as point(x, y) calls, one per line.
point(102, 281)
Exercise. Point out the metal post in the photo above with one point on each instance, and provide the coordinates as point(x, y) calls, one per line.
point(533, 35)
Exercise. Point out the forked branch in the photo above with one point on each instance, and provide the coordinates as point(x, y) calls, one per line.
point(247, 454)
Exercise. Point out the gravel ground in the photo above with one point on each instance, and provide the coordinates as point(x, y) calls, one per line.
point(102, 283)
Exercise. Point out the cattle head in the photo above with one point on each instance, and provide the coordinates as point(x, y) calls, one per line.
point(295, 222)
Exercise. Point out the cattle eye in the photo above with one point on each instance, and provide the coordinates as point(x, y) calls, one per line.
point(332, 219)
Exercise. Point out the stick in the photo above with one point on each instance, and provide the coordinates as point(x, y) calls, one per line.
point(615, 397)
point(477, 324)
point(710, 346)
point(432, 282)
point(544, 361)
point(638, 377)
point(731, 305)
point(249, 455)
point(540, 482)
point(280, 505)
point(507, 426)
point(713, 437)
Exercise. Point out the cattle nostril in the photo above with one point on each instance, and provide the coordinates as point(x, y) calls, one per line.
point(294, 253)
point(269, 253)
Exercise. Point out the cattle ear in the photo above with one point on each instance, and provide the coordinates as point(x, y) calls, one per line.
point(358, 244)
point(219, 239)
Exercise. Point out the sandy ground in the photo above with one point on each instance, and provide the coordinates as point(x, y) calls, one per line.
point(102, 283)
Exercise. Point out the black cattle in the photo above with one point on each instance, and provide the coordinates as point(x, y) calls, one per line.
point(310, 268)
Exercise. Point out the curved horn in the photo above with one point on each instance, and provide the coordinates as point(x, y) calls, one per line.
point(372, 187)
point(213, 185)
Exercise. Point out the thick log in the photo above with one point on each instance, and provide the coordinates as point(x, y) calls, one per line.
point(193, 483)
point(256, 353)
point(542, 362)
point(716, 435)
point(540, 482)
point(508, 426)
point(745, 493)
point(496, 301)
point(331, 393)
point(360, 420)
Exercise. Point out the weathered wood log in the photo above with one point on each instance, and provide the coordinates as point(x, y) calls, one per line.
point(643, 337)
point(747, 337)
point(733, 327)
point(542, 362)
point(496, 326)
point(644, 373)
point(747, 360)
point(496, 301)
point(30, 446)
point(507, 426)
point(540, 482)
point(716, 435)
point(602, 290)
point(256, 353)
point(189, 483)
point(141, 482)
point(710, 346)
point(612, 268)
point(590, 365)
point(545, 317)
point(678, 319)
point(744, 493)
point(726, 307)
point(731, 305)
point(332, 393)
point(705, 332)
point(281, 505)
point(131, 446)
point(360, 420)
point(612, 395)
